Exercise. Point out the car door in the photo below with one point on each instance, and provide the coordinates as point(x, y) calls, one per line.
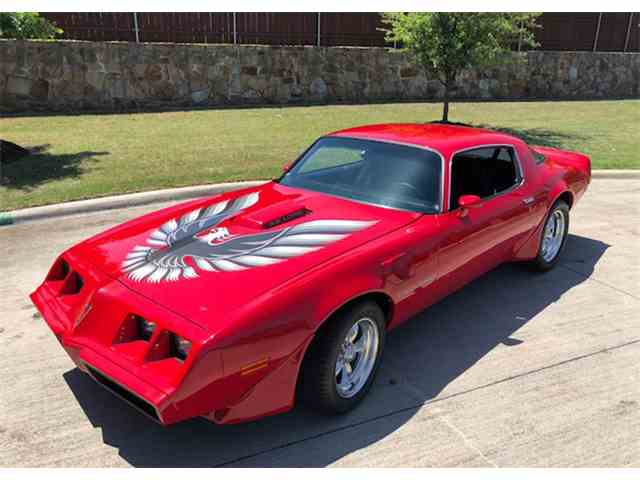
point(480, 237)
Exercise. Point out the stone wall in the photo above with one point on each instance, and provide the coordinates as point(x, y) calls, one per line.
point(68, 76)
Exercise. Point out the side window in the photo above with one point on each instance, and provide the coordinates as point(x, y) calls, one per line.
point(484, 172)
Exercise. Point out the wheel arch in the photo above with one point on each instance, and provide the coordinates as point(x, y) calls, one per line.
point(566, 196)
point(529, 248)
point(559, 189)
point(382, 299)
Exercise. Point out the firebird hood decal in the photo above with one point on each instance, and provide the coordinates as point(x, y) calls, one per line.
point(211, 249)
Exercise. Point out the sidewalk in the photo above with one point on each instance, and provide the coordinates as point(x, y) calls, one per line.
point(119, 201)
point(183, 193)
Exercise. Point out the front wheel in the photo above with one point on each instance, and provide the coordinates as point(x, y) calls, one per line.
point(554, 236)
point(342, 362)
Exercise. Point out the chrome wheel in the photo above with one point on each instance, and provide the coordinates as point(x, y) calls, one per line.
point(553, 235)
point(357, 357)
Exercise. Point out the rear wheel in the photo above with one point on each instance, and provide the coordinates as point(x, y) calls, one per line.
point(554, 236)
point(343, 360)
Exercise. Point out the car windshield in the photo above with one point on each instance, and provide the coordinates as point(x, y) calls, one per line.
point(377, 172)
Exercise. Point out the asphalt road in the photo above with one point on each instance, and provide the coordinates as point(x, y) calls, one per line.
point(517, 369)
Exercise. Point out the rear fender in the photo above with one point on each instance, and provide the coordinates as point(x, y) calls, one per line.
point(529, 250)
point(576, 161)
point(573, 167)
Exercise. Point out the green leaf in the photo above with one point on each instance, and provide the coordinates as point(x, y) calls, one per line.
point(443, 44)
point(27, 25)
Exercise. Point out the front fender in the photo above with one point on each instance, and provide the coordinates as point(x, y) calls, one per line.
point(341, 294)
point(265, 343)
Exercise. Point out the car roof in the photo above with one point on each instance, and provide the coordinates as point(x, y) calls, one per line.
point(446, 138)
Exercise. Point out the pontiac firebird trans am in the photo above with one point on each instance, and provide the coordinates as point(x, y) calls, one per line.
point(232, 307)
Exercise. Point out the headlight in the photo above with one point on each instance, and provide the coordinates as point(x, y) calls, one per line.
point(181, 346)
point(145, 328)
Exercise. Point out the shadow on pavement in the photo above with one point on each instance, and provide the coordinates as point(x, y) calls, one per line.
point(435, 348)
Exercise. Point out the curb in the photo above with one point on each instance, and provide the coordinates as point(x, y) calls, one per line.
point(183, 193)
point(119, 201)
point(620, 174)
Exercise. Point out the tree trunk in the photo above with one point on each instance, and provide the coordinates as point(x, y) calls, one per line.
point(445, 109)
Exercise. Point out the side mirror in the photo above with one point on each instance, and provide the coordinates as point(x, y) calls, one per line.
point(469, 201)
point(465, 202)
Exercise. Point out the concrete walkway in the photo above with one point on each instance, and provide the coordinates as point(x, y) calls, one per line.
point(174, 194)
point(120, 201)
point(516, 369)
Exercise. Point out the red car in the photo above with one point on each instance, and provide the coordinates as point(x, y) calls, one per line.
point(234, 306)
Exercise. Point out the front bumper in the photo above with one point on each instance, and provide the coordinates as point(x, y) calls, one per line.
point(90, 325)
point(141, 403)
point(90, 318)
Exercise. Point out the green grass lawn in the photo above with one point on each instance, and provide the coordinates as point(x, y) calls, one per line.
point(96, 155)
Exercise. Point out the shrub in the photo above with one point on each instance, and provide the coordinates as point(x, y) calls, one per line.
point(23, 25)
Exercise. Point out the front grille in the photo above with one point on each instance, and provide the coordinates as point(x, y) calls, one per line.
point(123, 393)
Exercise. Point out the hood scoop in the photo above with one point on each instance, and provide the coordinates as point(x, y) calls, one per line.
point(301, 212)
point(273, 216)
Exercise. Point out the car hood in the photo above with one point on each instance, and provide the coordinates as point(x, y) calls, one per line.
point(205, 259)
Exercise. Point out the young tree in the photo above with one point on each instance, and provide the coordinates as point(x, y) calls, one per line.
point(444, 44)
point(23, 25)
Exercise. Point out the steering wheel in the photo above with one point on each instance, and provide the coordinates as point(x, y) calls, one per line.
point(408, 186)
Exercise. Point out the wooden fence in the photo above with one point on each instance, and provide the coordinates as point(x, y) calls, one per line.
point(560, 31)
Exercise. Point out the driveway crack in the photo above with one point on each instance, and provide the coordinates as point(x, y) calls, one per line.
point(443, 418)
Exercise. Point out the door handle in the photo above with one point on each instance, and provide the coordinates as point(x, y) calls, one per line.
point(528, 200)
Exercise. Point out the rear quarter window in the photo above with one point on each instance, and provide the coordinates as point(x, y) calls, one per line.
point(537, 157)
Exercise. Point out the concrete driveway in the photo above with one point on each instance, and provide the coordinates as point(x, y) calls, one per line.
point(517, 369)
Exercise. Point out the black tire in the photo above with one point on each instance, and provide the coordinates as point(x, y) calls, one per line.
point(539, 263)
point(318, 381)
